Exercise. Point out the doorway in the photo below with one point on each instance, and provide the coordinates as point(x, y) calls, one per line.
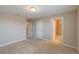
point(57, 24)
point(29, 29)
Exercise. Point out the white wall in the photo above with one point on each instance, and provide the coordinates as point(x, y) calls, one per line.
point(12, 28)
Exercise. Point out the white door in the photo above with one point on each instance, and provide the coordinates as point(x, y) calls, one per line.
point(39, 29)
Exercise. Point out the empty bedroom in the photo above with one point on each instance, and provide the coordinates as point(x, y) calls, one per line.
point(39, 29)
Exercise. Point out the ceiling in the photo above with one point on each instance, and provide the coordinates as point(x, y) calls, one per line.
point(44, 10)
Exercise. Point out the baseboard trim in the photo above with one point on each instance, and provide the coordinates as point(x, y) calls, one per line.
point(11, 42)
point(69, 46)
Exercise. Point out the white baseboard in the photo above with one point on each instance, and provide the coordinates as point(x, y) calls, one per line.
point(69, 46)
point(11, 42)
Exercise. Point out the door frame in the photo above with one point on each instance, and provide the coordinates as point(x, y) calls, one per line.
point(52, 20)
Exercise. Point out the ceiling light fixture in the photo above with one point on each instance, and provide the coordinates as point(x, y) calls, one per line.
point(33, 8)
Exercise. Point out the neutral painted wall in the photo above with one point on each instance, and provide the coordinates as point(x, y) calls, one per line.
point(69, 28)
point(78, 29)
point(12, 28)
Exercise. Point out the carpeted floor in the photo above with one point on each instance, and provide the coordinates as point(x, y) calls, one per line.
point(36, 47)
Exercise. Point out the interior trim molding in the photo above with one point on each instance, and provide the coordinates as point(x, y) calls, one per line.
point(11, 42)
point(69, 46)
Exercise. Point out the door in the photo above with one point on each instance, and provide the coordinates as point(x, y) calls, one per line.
point(39, 29)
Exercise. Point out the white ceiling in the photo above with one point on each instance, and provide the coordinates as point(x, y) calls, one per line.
point(44, 10)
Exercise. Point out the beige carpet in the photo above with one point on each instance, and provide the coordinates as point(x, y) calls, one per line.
point(36, 47)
